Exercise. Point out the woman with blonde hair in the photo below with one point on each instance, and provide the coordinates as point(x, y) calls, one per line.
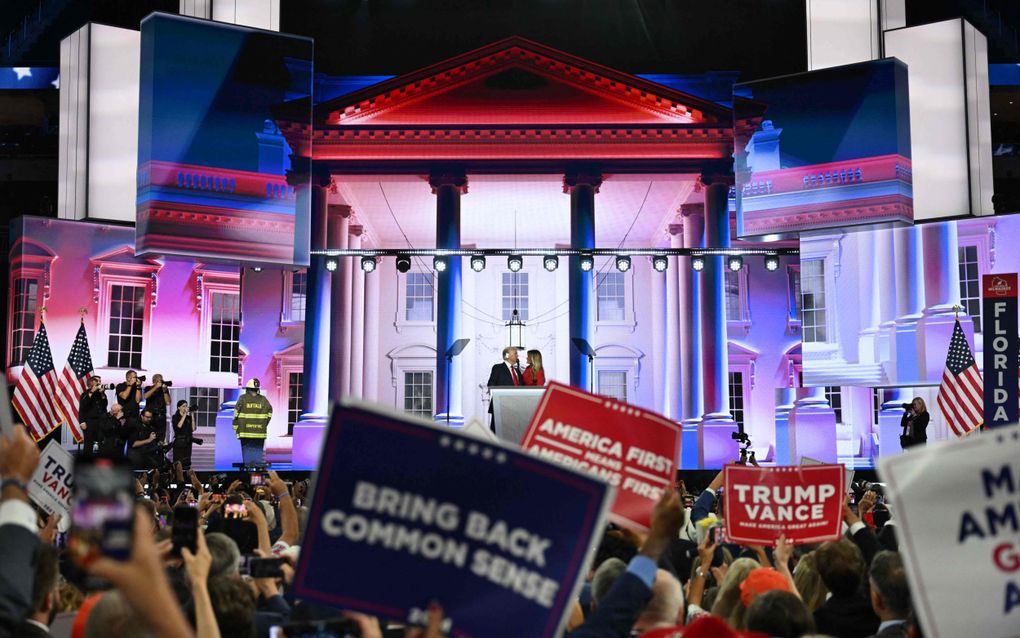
point(914, 423)
point(727, 602)
point(534, 374)
point(809, 582)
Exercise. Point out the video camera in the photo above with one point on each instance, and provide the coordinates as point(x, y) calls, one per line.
point(746, 453)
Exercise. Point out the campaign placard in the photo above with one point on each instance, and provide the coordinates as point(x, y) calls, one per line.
point(629, 447)
point(957, 504)
point(804, 502)
point(999, 311)
point(53, 482)
point(404, 512)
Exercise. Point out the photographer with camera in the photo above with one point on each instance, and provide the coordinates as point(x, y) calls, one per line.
point(91, 410)
point(914, 423)
point(157, 398)
point(129, 393)
point(184, 427)
point(143, 447)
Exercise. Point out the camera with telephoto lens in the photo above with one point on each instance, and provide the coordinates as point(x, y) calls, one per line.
point(906, 406)
point(107, 386)
point(746, 453)
point(168, 384)
point(141, 377)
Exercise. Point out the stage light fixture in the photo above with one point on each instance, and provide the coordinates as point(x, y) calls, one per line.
point(257, 269)
point(331, 264)
point(403, 263)
point(368, 264)
point(698, 263)
point(478, 263)
point(735, 262)
point(622, 263)
point(771, 263)
point(587, 263)
point(515, 263)
point(439, 263)
point(551, 262)
point(660, 263)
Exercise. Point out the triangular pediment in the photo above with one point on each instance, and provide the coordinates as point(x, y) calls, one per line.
point(125, 256)
point(518, 82)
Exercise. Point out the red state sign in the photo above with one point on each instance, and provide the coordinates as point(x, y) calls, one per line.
point(632, 449)
point(804, 502)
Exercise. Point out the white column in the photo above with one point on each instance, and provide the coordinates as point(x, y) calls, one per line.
point(870, 279)
point(942, 296)
point(689, 330)
point(884, 268)
point(660, 382)
point(340, 320)
point(909, 303)
point(672, 333)
point(371, 318)
point(812, 426)
point(347, 266)
point(357, 371)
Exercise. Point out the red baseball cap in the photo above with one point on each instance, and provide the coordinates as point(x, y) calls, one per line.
point(761, 580)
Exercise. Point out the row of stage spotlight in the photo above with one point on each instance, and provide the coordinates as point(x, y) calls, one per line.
point(515, 263)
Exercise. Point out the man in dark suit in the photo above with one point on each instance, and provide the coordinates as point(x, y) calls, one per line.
point(504, 375)
point(890, 594)
point(44, 594)
point(847, 613)
point(91, 410)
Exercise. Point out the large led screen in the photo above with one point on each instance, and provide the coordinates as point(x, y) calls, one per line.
point(212, 164)
point(824, 149)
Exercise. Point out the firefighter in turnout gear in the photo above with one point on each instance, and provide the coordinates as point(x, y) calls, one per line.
point(252, 413)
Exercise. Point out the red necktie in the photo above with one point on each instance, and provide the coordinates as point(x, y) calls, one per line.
point(513, 373)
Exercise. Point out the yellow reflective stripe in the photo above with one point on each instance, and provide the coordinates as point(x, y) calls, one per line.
point(253, 415)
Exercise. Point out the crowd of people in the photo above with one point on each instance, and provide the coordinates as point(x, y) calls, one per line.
point(680, 579)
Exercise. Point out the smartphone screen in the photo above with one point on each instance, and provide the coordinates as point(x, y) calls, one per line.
point(258, 479)
point(102, 517)
point(718, 535)
point(236, 510)
point(265, 567)
point(185, 529)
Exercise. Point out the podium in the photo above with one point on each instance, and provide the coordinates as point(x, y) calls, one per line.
point(512, 409)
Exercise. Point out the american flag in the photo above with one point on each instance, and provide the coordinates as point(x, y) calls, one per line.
point(960, 395)
point(74, 380)
point(35, 394)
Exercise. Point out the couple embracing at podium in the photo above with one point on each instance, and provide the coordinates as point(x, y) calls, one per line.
point(509, 374)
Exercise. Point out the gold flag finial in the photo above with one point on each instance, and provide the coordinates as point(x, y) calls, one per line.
point(957, 309)
point(82, 312)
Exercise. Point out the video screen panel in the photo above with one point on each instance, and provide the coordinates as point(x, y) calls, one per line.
point(212, 163)
point(824, 149)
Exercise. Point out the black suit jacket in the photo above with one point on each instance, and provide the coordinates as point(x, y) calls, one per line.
point(500, 377)
point(617, 611)
point(893, 631)
point(17, 555)
point(28, 630)
point(847, 617)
